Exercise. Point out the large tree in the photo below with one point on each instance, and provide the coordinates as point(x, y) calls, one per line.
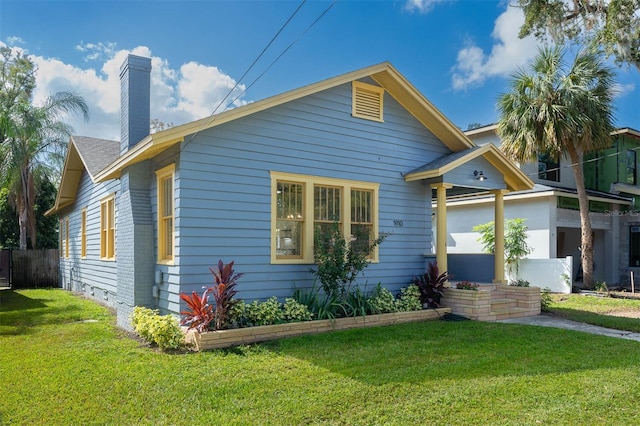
point(30, 136)
point(612, 24)
point(561, 110)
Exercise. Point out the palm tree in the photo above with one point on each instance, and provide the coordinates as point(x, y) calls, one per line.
point(33, 136)
point(560, 111)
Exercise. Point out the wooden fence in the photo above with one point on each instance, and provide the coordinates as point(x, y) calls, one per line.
point(33, 268)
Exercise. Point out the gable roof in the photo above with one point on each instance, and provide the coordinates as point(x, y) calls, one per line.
point(384, 74)
point(514, 178)
point(83, 153)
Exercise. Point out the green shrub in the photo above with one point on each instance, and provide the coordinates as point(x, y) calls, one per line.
point(409, 299)
point(293, 311)
point(162, 330)
point(382, 301)
point(265, 313)
point(601, 286)
point(545, 300)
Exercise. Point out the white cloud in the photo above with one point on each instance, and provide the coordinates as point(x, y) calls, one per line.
point(508, 53)
point(422, 6)
point(177, 96)
point(96, 51)
point(621, 90)
point(13, 40)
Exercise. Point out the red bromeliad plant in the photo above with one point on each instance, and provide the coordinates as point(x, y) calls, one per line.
point(223, 291)
point(200, 313)
point(431, 285)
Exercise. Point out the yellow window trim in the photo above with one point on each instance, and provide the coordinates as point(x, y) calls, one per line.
point(367, 101)
point(161, 175)
point(308, 183)
point(105, 238)
point(83, 233)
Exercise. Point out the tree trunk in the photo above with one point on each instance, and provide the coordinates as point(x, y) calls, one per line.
point(586, 253)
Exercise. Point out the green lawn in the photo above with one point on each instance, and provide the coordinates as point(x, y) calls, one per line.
point(602, 311)
point(58, 368)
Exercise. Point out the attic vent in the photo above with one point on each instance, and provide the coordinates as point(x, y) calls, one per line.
point(367, 101)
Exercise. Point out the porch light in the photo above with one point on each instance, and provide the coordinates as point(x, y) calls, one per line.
point(479, 175)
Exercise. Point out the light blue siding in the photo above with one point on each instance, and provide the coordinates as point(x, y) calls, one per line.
point(91, 276)
point(223, 200)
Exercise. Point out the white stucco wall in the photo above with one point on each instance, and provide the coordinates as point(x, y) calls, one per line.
point(462, 218)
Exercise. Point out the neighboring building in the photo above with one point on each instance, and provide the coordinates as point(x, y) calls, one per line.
point(616, 170)
point(552, 215)
point(143, 219)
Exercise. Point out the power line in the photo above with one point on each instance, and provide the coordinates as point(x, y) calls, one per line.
point(212, 116)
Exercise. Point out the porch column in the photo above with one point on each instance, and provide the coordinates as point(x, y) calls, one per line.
point(441, 224)
point(499, 236)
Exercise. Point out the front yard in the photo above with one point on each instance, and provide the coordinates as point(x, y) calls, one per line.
point(62, 361)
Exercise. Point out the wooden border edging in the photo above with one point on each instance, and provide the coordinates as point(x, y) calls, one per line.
point(241, 336)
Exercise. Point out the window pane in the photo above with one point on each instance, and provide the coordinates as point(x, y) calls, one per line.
point(327, 204)
point(168, 238)
point(167, 201)
point(361, 220)
point(289, 237)
point(289, 200)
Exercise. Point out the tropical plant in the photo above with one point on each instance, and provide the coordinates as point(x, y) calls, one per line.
point(223, 291)
point(431, 285)
point(559, 110)
point(338, 262)
point(199, 314)
point(515, 241)
point(32, 137)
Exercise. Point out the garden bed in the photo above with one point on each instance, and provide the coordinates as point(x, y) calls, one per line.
point(241, 336)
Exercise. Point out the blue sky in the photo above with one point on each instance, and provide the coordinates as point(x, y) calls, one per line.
point(459, 54)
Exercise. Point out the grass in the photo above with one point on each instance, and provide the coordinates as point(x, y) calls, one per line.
point(58, 368)
point(601, 311)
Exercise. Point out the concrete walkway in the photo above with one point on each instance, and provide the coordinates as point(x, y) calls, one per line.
point(551, 321)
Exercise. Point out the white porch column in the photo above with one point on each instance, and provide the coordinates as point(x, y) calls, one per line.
point(441, 224)
point(499, 236)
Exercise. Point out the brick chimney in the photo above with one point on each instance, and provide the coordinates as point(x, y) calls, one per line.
point(135, 102)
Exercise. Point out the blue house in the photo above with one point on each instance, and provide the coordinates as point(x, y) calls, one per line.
point(143, 219)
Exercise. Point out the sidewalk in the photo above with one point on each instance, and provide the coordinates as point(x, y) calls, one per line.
point(551, 321)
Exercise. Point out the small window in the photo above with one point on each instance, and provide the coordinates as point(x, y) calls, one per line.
point(548, 169)
point(367, 101)
point(108, 228)
point(631, 167)
point(165, 179)
point(83, 233)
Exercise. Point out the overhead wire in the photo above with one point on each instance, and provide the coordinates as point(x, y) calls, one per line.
point(212, 116)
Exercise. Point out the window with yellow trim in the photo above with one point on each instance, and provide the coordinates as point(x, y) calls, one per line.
point(83, 233)
point(302, 204)
point(165, 179)
point(108, 228)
